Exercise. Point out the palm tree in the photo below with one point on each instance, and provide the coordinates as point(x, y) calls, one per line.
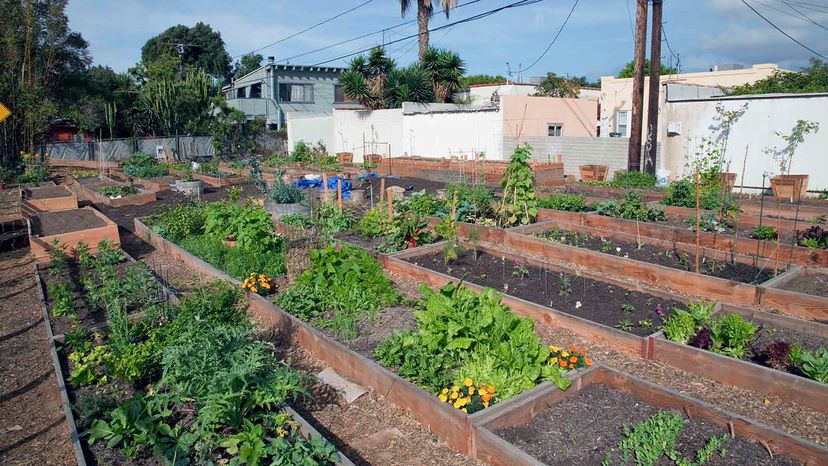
point(445, 69)
point(425, 8)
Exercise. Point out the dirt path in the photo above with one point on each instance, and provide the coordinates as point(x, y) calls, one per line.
point(33, 427)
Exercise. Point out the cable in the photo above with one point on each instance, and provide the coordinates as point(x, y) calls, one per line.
point(371, 33)
point(667, 41)
point(629, 17)
point(553, 39)
point(803, 15)
point(784, 33)
point(307, 29)
point(466, 20)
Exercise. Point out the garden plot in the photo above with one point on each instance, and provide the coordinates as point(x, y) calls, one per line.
point(611, 418)
point(69, 227)
point(49, 199)
point(807, 280)
point(111, 193)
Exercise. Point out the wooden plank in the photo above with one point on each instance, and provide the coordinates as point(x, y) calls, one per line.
point(40, 246)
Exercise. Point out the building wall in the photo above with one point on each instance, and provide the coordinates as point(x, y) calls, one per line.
point(311, 130)
point(616, 93)
point(575, 151)
point(366, 131)
point(753, 131)
point(482, 93)
point(530, 116)
point(453, 132)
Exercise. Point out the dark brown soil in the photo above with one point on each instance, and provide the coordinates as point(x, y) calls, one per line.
point(815, 284)
point(47, 192)
point(584, 427)
point(768, 334)
point(33, 429)
point(375, 329)
point(65, 221)
point(586, 298)
point(415, 184)
point(355, 238)
point(735, 271)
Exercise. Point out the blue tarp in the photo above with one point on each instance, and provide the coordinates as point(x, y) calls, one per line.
point(317, 183)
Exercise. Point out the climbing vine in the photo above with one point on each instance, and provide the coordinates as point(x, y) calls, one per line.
point(519, 204)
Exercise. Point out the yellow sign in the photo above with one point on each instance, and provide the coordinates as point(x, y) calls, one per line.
point(4, 112)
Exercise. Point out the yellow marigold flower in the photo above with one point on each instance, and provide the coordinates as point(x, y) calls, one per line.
point(465, 410)
point(254, 289)
point(458, 403)
point(455, 388)
point(481, 391)
point(565, 354)
point(468, 382)
point(553, 360)
point(454, 395)
point(491, 389)
point(444, 391)
point(485, 404)
point(554, 349)
point(443, 398)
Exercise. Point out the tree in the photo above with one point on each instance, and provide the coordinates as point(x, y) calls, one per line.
point(557, 86)
point(248, 63)
point(582, 81)
point(178, 105)
point(425, 8)
point(629, 69)
point(475, 79)
point(201, 46)
point(812, 78)
point(232, 133)
point(445, 69)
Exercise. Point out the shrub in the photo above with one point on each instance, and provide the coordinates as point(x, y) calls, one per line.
point(142, 165)
point(567, 202)
point(764, 232)
point(180, 222)
point(626, 179)
point(682, 193)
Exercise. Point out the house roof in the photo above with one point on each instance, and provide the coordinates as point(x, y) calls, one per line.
point(287, 67)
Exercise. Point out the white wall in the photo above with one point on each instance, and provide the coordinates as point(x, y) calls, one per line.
point(754, 130)
point(310, 130)
point(366, 131)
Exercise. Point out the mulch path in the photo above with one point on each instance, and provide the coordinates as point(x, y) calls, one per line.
point(33, 428)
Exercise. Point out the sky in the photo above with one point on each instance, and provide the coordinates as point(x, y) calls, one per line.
point(597, 40)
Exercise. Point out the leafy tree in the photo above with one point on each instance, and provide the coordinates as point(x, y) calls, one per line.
point(202, 48)
point(445, 69)
point(248, 63)
point(629, 69)
point(475, 79)
point(812, 78)
point(582, 81)
point(176, 105)
point(425, 8)
point(557, 86)
point(232, 133)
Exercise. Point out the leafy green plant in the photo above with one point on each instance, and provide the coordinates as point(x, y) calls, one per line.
point(566, 202)
point(814, 237)
point(144, 166)
point(134, 424)
point(682, 193)
point(61, 296)
point(180, 222)
point(408, 232)
point(249, 226)
point(423, 204)
point(331, 221)
point(628, 308)
point(764, 232)
point(683, 324)
point(118, 191)
point(82, 254)
point(813, 365)
point(731, 335)
point(375, 223)
point(709, 222)
point(283, 193)
point(625, 325)
point(108, 253)
point(57, 257)
point(519, 204)
point(627, 179)
point(631, 207)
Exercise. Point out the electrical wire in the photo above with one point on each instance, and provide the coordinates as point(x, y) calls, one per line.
point(307, 29)
point(783, 32)
point(667, 41)
point(284, 60)
point(629, 17)
point(803, 15)
point(554, 39)
point(462, 21)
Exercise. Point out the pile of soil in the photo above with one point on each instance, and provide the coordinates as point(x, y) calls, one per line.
point(816, 284)
point(584, 427)
point(47, 192)
point(578, 296)
point(736, 271)
point(65, 221)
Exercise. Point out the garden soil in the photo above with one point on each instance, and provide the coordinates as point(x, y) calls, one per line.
point(33, 429)
point(65, 221)
point(816, 285)
point(585, 427)
point(47, 192)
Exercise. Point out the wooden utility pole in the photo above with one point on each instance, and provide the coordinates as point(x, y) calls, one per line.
point(634, 157)
point(655, 88)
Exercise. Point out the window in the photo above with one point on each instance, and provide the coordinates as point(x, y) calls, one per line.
point(241, 93)
point(622, 123)
point(554, 129)
point(256, 91)
point(295, 92)
point(339, 95)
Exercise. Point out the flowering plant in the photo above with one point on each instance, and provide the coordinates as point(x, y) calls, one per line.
point(468, 397)
point(258, 283)
point(36, 167)
point(569, 359)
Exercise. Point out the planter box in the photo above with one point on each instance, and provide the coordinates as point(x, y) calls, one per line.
point(451, 425)
point(790, 186)
point(88, 188)
point(345, 157)
point(40, 245)
point(593, 172)
point(728, 180)
point(221, 182)
point(49, 199)
point(489, 173)
point(494, 450)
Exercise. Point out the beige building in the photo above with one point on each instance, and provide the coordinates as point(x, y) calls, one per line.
point(616, 95)
point(526, 116)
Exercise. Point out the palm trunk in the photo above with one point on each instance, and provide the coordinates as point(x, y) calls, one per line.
point(423, 13)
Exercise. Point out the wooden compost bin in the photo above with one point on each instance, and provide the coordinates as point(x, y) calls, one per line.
point(745, 374)
point(40, 245)
point(593, 172)
point(451, 425)
point(495, 450)
point(49, 199)
point(88, 188)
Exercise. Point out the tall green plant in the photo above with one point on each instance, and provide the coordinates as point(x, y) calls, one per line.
point(519, 204)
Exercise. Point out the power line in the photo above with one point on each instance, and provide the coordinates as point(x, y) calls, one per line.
point(803, 14)
point(811, 6)
point(462, 21)
point(560, 30)
point(308, 28)
point(629, 17)
point(667, 41)
point(784, 33)
point(371, 33)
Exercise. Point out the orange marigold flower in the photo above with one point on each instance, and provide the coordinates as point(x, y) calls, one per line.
point(563, 363)
point(573, 348)
point(572, 366)
point(573, 359)
point(491, 389)
point(583, 352)
point(588, 361)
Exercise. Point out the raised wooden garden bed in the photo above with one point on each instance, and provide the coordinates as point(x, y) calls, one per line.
point(452, 425)
point(445, 170)
point(592, 413)
point(156, 185)
point(809, 281)
point(223, 181)
point(49, 199)
point(745, 221)
point(88, 188)
point(69, 227)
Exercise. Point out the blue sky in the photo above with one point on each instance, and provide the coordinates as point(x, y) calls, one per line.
point(596, 42)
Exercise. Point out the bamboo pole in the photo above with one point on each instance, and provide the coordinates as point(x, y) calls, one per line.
point(390, 195)
point(744, 165)
point(324, 186)
point(382, 189)
point(339, 193)
point(454, 208)
point(698, 219)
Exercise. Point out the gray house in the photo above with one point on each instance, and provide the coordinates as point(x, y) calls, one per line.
point(272, 91)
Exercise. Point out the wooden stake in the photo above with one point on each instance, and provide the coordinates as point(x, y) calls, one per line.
point(454, 208)
point(744, 165)
point(382, 189)
point(698, 219)
point(339, 193)
point(390, 196)
point(324, 186)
